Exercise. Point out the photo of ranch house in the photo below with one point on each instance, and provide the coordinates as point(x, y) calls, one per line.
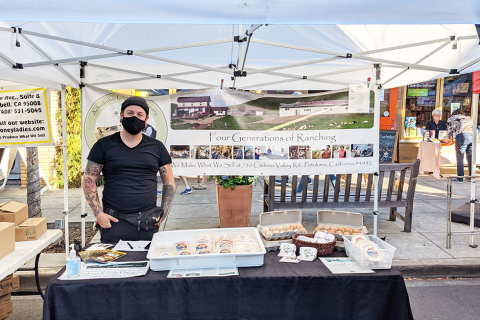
point(180, 151)
point(193, 107)
point(274, 113)
point(300, 152)
point(311, 107)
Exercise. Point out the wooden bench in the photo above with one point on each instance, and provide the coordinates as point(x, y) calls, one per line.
point(355, 193)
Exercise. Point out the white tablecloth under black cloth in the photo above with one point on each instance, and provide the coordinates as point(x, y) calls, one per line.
point(274, 291)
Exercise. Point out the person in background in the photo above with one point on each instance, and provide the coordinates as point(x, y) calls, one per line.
point(369, 152)
point(358, 152)
point(462, 127)
point(327, 154)
point(202, 185)
point(436, 124)
point(342, 153)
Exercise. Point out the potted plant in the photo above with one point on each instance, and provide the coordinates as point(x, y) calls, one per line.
point(234, 200)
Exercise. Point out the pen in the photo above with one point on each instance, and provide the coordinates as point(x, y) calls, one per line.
point(129, 245)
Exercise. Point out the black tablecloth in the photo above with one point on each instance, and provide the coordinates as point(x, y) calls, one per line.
point(279, 291)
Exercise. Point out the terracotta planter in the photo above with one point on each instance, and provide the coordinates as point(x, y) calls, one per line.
point(234, 206)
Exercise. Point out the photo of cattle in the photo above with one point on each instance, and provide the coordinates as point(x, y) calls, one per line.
point(221, 152)
point(300, 152)
point(180, 151)
point(200, 152)
point(231, 110)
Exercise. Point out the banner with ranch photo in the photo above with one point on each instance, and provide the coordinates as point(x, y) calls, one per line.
point(231, 132)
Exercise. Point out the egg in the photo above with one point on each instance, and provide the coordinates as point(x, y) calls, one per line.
point(280, 229)
point(289, 230)
point(293, 226)
point(339, 232)
point(332, 230)
point(303, 230)
point(341, 229)
point(295, 230)
point(319, 227)
point(272, 228)
point(286, 226)
point(275, 231)
point(349, 229)
point(356, 231)
point(326, 228)
point(269, 234)
point(265, 230)
point(334, 227)
point(299, 226)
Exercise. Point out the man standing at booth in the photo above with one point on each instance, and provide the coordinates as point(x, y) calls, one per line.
point(460, 128)
point(129, 161)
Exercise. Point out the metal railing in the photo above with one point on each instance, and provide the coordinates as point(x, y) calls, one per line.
point(449, 212)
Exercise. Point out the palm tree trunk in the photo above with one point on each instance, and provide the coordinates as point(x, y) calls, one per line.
point(33, 184)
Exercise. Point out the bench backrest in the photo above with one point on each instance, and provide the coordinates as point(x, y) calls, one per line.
point(358, 189)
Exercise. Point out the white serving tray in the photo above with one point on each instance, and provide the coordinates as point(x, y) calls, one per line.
point(212, 260)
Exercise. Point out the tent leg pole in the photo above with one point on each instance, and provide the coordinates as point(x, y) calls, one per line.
point(473, 166)
point(65, 169)
point(375, 204)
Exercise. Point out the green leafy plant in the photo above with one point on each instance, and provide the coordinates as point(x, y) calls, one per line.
point(234, 181)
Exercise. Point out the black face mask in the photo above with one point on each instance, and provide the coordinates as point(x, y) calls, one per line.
point(133, 125)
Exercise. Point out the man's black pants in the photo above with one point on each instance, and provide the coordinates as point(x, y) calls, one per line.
point(124, 230)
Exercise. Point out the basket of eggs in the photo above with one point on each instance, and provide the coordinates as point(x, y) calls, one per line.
point(324, 246)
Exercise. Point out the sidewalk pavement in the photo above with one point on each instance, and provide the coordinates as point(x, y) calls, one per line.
point(420, 253)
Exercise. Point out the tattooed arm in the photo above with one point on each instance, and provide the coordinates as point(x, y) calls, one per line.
point(92, 172)
point(168, 191)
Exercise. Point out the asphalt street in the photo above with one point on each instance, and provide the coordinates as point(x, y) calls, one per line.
point(431, 299)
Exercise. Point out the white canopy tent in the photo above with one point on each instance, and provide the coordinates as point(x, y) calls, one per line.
point(316, 45)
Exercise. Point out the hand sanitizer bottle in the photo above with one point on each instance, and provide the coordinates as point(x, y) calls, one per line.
point(73, 264)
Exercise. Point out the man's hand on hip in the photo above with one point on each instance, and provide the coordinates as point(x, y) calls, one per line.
point(104, 220)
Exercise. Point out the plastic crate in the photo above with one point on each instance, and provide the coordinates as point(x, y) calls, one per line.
point(385, 257)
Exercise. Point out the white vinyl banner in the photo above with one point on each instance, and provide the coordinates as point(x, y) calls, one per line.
point(230, 132)
point(25, 118)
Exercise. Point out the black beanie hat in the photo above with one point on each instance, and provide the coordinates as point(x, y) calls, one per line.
point(135, 101)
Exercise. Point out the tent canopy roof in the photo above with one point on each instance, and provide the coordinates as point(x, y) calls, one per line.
point(306, 12)
point(314, 45)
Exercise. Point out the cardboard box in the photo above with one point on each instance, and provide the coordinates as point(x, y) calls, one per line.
point(14, 212)
point(7, 238)
point(10, 285)
point(6, 310)
point(5, 299)
point(31, 229)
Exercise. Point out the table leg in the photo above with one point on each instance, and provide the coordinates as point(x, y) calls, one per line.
point(37, 278)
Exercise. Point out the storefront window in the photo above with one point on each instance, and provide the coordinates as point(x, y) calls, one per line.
point(419, 106)
point(385, 103)
point(457, 94)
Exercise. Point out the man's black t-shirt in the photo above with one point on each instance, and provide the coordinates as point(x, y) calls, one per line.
point(130, 173)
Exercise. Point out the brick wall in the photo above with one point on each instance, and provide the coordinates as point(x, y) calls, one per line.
point(47, 155)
